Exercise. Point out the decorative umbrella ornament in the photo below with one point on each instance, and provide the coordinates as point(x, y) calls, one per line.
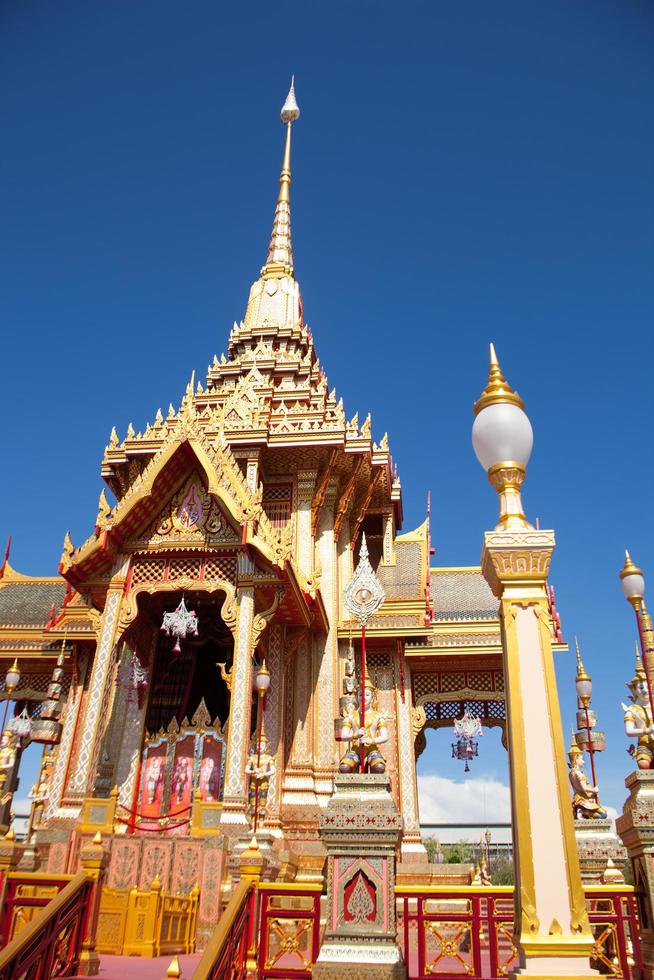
point(466, 730)
point(181, 623)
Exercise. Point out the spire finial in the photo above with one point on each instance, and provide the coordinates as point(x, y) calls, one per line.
point(497, 388)
point(280, 249)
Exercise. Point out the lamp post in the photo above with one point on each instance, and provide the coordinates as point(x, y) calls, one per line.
point(552, 931)
point(12, 680)
point(632, 582)
point(363, 596)
point(592, 740)
point(262, 683)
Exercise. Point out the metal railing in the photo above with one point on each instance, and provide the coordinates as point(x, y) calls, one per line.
point(288, 929)
point(226, 954)
point(23, 897)
point(268, 930)
point(459, 931)
point(51, 943)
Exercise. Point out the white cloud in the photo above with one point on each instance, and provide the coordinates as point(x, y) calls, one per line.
point(478, 800)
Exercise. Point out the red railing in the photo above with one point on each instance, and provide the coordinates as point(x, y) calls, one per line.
point(462, 931)
point(50, 945)
point(289, 929)
point(268, 930)
point(23, 896)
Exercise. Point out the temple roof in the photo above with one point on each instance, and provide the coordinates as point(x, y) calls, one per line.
point(270, 390)
point(28, 603)
point(462, 593)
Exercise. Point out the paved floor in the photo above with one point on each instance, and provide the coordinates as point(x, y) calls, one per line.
point(143, 968)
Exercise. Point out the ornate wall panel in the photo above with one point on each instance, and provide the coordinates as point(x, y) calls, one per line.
point(89, 746)
point(272, 716)
point(326, 649)
point(240, 707)
point(74, 705)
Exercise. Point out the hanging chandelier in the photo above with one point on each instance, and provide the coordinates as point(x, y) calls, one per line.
point(21, 725)
point(466, 730)
point(181, 623)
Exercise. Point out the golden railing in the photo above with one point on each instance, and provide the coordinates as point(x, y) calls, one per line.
point(51, 944)
point(146, 923)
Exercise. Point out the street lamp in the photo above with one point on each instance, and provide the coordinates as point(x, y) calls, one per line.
point(586, 738)
point(632, 582)
point(12, 680)
point(502, 438)
point(262, 683)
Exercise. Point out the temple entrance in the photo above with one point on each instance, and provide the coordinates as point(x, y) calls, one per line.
point(181, 680)
point(184, 695)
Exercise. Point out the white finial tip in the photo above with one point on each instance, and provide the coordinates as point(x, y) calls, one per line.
point(290, 110)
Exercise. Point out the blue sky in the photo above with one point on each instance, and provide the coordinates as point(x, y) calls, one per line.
point(462, 173)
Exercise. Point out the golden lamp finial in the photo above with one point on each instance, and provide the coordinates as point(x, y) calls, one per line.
point(280, 249)
point(497, 390)
point(581, 673)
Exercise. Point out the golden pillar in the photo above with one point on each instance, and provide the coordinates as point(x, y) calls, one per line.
point(552, 931)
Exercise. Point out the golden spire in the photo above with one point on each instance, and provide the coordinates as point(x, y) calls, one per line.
point(581, 673)
point(280, 249)
point(497, 390)
point(629, 568)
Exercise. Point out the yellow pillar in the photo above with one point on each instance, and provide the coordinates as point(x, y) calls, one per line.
point(551, 923)
point(552, 931)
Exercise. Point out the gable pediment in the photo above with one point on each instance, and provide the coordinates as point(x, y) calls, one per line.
point(191, 516)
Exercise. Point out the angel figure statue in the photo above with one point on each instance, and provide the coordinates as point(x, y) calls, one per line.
point(373, 734)
point(638, 718)
point(259, 768)
point(585, 801)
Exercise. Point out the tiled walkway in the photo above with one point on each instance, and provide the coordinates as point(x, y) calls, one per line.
point(142, 968)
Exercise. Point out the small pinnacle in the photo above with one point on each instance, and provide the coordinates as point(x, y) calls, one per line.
point(290, 110)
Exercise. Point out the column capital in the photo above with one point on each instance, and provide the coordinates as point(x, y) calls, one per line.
point(516, 558)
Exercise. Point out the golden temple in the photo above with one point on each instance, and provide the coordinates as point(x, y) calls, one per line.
point(238, 521)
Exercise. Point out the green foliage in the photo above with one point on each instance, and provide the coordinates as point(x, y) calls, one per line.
point(501, 871)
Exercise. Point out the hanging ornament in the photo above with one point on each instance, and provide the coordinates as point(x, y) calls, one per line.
point(466, 730)
point(181, 623)
point(21, 725)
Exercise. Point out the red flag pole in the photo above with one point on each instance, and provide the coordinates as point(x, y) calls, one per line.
point(362, 747)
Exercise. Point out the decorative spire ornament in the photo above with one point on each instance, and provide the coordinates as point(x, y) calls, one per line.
point(363, 596)
point(280, 250)
point(182, 622)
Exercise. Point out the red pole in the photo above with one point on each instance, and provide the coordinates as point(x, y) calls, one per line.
point(644, 653)
point(256, 780)
point(362, 748)
point(135, 798)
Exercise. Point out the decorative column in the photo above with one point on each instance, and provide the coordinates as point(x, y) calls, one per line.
point(235, 792)
point(326, 655)
point(306, 483)
point(636, 829)
point(412, 848)
point(360, 829)
point(552, 932)
point(90, 732)
point(275, 699)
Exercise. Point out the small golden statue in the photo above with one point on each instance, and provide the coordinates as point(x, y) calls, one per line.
point(260, 767)
point(638, 718)
point(585, 801)
point(373, 733)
